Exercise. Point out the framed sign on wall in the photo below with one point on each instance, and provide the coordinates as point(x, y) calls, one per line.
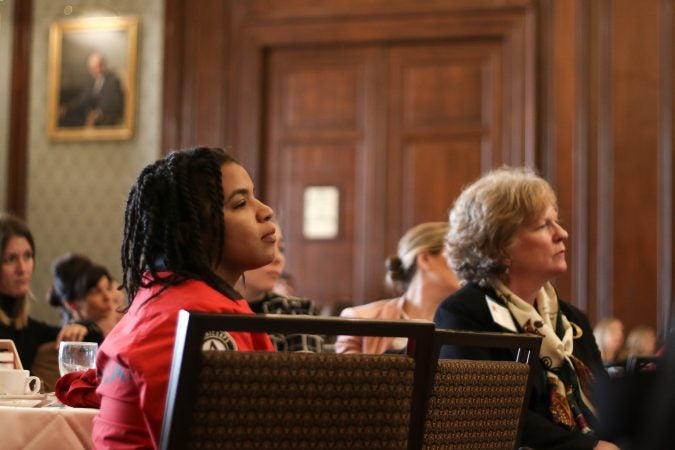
point(92, 78)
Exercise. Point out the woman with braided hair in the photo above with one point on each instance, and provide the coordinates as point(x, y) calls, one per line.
point(192, 226)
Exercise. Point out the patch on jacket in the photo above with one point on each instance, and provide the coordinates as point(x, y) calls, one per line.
point(218, 340)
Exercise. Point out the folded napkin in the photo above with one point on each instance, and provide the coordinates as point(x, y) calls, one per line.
point(78, 389)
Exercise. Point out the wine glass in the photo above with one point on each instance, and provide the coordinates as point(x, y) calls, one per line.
point(77, 356)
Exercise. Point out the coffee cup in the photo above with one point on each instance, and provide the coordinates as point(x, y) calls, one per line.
point(18, 382)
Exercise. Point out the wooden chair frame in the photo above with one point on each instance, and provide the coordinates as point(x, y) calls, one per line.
point(187, 353)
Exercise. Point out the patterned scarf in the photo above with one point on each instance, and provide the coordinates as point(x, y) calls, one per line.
point(568, 378)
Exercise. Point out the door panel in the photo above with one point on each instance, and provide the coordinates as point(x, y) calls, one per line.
point(321, 104)
point(329, 263)
point(436, 171)
point(398, 129)
point(398, 114)
point(444, 126)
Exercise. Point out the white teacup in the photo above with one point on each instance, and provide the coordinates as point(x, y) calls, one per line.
point(18, 382)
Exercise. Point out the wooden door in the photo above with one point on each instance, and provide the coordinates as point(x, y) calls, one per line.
point(392, 105)
point(444, 126)
point(397, 129)
point(321, 115)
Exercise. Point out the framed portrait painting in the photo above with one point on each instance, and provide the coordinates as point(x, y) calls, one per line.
point(92, 78)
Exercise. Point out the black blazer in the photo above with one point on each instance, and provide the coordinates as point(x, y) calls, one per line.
point(467, 309)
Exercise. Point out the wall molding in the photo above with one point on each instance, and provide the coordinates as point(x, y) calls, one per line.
point(17, 162)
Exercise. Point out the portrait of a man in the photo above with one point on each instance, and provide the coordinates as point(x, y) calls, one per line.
point(100, 101)
point(92, 78)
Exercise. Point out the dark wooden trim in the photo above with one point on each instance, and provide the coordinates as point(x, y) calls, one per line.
point(17, 165)
point(530, 91)
point(545, 157)
point(605, 166)
point(172, 90)
point(196, 75)
point(313, 10)
point(581, 155)
point(671, 311)
point(665, 168)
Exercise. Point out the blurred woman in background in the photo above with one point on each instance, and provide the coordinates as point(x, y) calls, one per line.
point(86, 294)
point(420, 272)
point(641, 341)
point(17, 249)
point(259, 288)
point(609, 336)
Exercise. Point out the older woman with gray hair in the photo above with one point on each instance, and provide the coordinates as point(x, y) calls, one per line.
point(506, 244)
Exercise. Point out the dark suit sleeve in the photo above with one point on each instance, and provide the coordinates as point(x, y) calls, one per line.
point(111, 101)
point(45, 332)
point(461, 315)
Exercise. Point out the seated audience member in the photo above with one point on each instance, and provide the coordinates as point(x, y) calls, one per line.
point(641, 341)
point(86, 294)
point(16, 272)
point(284, 285)
point(192, 227)
point(506, 244)
point(609, 336)
point(638, 408)
point(258, 286)
point(659, 432)
point(420, 272)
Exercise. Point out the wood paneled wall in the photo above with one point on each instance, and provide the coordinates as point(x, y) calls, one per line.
point(601, 104)
point(17, 161)
point(396, 111)
point(607, 144)
point(595, 115)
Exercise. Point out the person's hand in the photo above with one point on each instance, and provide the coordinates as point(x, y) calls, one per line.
point(604, 445)
point(71, 332)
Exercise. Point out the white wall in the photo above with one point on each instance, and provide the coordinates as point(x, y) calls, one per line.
point(77, 190)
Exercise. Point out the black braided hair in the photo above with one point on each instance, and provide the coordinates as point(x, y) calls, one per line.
point(174, 222)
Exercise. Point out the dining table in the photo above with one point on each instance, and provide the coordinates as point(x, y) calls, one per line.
point(44, 423)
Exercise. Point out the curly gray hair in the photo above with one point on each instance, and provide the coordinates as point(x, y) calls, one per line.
point(486, 216)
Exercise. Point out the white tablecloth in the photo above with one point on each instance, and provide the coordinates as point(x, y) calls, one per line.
point(23, 428)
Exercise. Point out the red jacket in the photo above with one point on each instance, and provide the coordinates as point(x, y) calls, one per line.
point(134, 362)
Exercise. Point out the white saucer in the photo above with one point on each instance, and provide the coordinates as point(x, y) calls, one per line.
point(27, 400)
point(22, 396)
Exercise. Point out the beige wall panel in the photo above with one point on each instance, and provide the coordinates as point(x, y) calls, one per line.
point(77, 190)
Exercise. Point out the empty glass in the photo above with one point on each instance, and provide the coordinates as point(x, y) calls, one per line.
point(77, 356)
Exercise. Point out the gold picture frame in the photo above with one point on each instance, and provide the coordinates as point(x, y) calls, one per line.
point(92, 78)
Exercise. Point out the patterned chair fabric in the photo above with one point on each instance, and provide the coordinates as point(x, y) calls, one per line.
point(475, 405)
point(257, 400)
point(296, 400)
